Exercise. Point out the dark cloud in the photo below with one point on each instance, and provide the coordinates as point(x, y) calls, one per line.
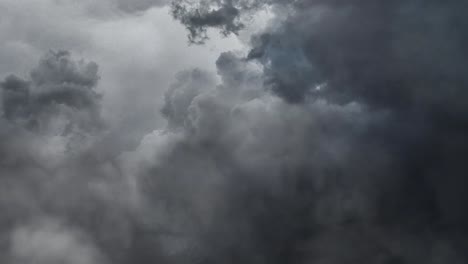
point(57, 177)
point(58, 86)
point(251, 177)
point(225, 15)
point(179, 97)
point(339, 138)
point(363, 146)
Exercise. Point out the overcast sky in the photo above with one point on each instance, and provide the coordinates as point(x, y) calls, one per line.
point(138, 46)
point(233, 131)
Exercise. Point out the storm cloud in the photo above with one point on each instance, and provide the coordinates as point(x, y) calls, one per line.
point(336, 135)
point(378, 93)
point(57, 86)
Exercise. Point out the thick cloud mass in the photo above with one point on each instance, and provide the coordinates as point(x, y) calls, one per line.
point(339, 137)
point(59, 183)
point(362, 159)
point(58, 86)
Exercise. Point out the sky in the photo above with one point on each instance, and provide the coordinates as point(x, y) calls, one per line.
point(138, 46)
point(233, 131)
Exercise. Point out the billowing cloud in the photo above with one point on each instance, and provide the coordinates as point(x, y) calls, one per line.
point(336, 136)
point(58, 86)
point(57, 175)
point(372, 113)
point(225, 15)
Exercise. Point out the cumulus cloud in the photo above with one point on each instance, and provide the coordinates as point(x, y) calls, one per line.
point(58, 86)
point(57, 175)
point(63, 128)
point(367, 130)
point(248, 168)
point(337, 137)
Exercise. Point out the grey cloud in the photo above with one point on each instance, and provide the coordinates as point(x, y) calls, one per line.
point(58, 84)
point(137, 64)
point(57, 68)
point(225, 15)
point(139, 5)
point(181, 94)
point(49, 241)
point(111, 9)
point(250, 176)
point(380, 52)
point(58, 158)
point(61, 187)
point(365, 136)
point(339, 138)
point(15, 97)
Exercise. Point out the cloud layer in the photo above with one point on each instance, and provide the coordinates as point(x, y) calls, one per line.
point(337, 137)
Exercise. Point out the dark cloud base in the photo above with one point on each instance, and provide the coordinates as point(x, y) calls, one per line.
point(339, 138)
